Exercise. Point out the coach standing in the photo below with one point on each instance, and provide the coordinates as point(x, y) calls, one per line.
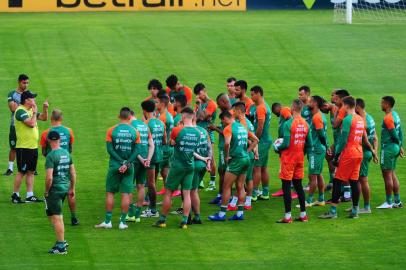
point(25, 119)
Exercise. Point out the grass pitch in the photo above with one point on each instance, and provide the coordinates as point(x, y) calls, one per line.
point(89, 65)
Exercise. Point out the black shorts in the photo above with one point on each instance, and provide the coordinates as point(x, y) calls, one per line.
point(12, 137)
point(26, 160)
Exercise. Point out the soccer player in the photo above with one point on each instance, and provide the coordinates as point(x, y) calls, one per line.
point(262, 120)
point(304, 96)
point(241, 87)
point(203, 156)
point(205, 116)
point(368, 155)
point(391, 149)
point(167, 150)
point(14, 100)
point(348, 156)
point(239, 114)
point(185, 140)
point(223, 102)
point(317, 153)
point(236, 150)
point(180, 104)
point(25, 121)
point(66, 143)
point(296, 138)
point(60, 182)
point(157, 128)
point(121, 141)
point(231, 90)
point(145, 151)
point(174, 88)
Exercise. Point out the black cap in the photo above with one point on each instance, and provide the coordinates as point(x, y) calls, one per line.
point(26, 95)
point(53, 136)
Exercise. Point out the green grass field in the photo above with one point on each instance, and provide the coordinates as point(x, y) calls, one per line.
point(89, 65)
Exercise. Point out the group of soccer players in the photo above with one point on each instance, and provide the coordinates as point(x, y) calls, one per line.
point(176, 139)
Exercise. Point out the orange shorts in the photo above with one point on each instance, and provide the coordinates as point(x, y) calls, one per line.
point(348, 169)
point(290, 171)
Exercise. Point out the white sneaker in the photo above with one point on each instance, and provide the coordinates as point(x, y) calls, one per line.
point(364, 211)
point(398, 205)
point(211, 188)
point(307, 205)
point(122, 226)
point(385, 205)
point(148, 214)
point(104, 225)
point(306, 188)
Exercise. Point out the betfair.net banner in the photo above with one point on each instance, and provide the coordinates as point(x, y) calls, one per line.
point(119, 5)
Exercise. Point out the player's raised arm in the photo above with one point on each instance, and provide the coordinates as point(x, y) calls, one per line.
point(44, 115)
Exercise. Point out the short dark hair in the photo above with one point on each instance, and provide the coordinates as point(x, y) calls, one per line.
point(360, 103)
point(275, 105)
point(125, 113)
point(349, 101)
point(257, 89)
point(57, 115)
point(239, 105)
point(241, 83)
point(132, 113)
point(198, 87)
point(187, 110)
point(148, 106)
point(171, 81)
point(298, 104)
point(225, 114)
point(319, 100)
point(390, 100)
point(23, 77)
point(154, 83)
point(342, 93)
point(164, 99)
point(231, 79)
point(305, 88)
point(162, 93)
point(181, 98)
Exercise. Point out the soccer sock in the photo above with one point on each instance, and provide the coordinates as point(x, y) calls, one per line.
point(248, 201)
point(10, 165)
point(265, 190)
point(333, 210)
point(138, 211)
point(255, 192)
point(197, 217)
point(302, 214)
point(240, 211)
point(310, 199)
point(397, 198)
point(107, 219)
point(223, 210)
point(212, 179)
point(162, 218)
point(131, 210)
point(123, 217)
point(389, 199)
point(30, 194)
point(321, 197)
point(184, 219)
point(73, 214)
point(354, 210)
point(367, 206)
point(60, 245)
point(288, 215)
point(233, 201)
point(347, 192)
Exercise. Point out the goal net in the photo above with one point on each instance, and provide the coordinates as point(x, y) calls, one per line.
point(348, 11)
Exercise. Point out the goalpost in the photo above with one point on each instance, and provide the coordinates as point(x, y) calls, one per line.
point(349, 11)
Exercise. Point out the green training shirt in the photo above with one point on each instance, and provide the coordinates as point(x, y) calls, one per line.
point(59, 160)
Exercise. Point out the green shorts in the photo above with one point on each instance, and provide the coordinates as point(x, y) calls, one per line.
point(238, 166)
point(180, 177)
point(263, 152)
point(222, 161)
point(200, 171)
point(166, 158)
point(53, 203)
point(316, 161)
point(250, 171)
point(365, 163)
point(120, 182)
point(154, 165)
point(12, 137)
point(140, 174)
point(389, 156)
